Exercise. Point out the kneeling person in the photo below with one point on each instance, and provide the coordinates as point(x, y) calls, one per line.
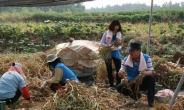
point(13, 85)
point(131, 66)
point(60, 73)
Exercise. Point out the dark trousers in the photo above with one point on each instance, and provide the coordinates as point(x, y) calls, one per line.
point(108, 64)
point(148, 83)
point(14, 99)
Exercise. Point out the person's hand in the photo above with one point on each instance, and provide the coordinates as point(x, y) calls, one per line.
point(43, 85)
point(124, 80)
point(147, 73)
point(109, 45)
point(114, 48)
point(121, 73)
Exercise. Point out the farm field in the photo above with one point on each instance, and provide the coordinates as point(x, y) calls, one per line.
point(39, 36)
point(30, 42)
point(95, 97)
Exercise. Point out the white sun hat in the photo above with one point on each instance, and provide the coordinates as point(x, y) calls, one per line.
point(51, 58)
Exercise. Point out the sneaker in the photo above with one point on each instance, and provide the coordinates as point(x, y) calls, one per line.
point(112, 89)
point(150, 103)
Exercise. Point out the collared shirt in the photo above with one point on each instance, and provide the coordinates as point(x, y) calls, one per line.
point(136, 63)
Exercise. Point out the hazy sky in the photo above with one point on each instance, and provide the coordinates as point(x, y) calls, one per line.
point(100, 3)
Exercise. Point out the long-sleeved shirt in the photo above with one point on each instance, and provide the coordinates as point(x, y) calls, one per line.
point(116, 52)
point(58, 74)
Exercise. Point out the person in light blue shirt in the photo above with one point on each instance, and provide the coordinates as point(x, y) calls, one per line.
point(111, 35)
point(13, 85)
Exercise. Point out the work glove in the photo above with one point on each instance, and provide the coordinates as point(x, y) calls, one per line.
point(25, 93)
point(122, 73)
point(43, 85)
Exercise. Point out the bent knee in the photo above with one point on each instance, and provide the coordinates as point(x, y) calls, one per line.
point(120, 87)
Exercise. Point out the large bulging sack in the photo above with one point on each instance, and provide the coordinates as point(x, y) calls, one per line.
point(80, 55)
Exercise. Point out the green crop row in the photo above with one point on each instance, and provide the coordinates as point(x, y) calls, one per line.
point(33, 36)
point(131, 17)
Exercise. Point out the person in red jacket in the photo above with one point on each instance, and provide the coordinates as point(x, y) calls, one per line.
point(13, 85)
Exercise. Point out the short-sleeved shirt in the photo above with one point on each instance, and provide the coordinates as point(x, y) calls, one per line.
point(136, 63)
point(133, 72)
point(9, 84)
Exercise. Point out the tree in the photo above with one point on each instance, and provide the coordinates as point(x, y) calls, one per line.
point(137, 6)
point(73, 8)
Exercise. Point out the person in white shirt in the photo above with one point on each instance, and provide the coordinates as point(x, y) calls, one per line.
point(111, 35)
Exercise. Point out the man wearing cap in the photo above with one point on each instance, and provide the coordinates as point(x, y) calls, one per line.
point(132, 65)
point(59, 73)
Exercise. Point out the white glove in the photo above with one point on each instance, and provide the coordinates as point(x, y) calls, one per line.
point(43, 85)
point(119, 47)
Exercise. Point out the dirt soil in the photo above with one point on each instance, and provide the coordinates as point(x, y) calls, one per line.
point(118, 102)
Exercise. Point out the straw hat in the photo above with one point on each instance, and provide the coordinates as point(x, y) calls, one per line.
point(51, 58)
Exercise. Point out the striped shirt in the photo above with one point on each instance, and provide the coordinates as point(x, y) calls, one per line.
point(136, 63)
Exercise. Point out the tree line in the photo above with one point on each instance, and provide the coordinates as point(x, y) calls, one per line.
point(81, 8)
point(138, 6)
point(63, 8)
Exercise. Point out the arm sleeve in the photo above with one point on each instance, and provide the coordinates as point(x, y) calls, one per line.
point(149, 64)
point(22, 83)
point(122, 36)
point(103, 40)
point(123, 64)
point(109, 37)
point(57, 77)
point(23, 88)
